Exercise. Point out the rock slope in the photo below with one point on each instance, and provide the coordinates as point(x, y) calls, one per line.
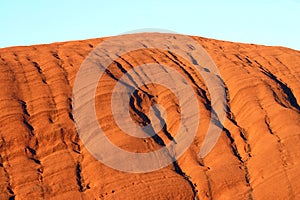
point(256, 157)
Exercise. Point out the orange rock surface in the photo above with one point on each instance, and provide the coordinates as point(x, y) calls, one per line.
point(256, 157)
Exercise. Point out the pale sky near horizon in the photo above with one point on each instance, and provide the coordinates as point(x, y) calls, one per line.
point(267, 22)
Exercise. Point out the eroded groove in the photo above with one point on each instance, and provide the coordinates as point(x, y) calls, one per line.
point(136, 101)
point(164, 128)
point(80, 181)
point(60, 64)
point(179, 171)
point(55, 113)
point(132, 68)
point(287, 91)
point(32, 155)
point(26, 117)
point(6, 174)
point(24, 107)
point(284, 86)
point(231, 117)
point(201, 92)
point(281, 150)
point(209, 193)
point(75, 145)
point(124, 71)
point(243, 163)
point(79, 178)
point(32, 141)
point(233, 145)
point(38, 68)
point(287, 68)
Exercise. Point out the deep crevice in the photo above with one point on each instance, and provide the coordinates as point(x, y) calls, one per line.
point(79, 178)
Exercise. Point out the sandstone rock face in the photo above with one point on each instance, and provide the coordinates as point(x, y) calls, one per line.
point(256, 157)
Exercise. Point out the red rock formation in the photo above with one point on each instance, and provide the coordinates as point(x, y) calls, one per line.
point(256, 157)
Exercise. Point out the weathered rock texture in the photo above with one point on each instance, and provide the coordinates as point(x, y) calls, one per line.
point(256, 157)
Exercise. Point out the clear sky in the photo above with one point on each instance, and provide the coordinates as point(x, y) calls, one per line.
point(269, 22)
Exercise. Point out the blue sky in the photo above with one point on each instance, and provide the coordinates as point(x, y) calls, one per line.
point(258, 21)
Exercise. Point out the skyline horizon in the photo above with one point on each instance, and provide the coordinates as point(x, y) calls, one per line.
point(256, 22)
